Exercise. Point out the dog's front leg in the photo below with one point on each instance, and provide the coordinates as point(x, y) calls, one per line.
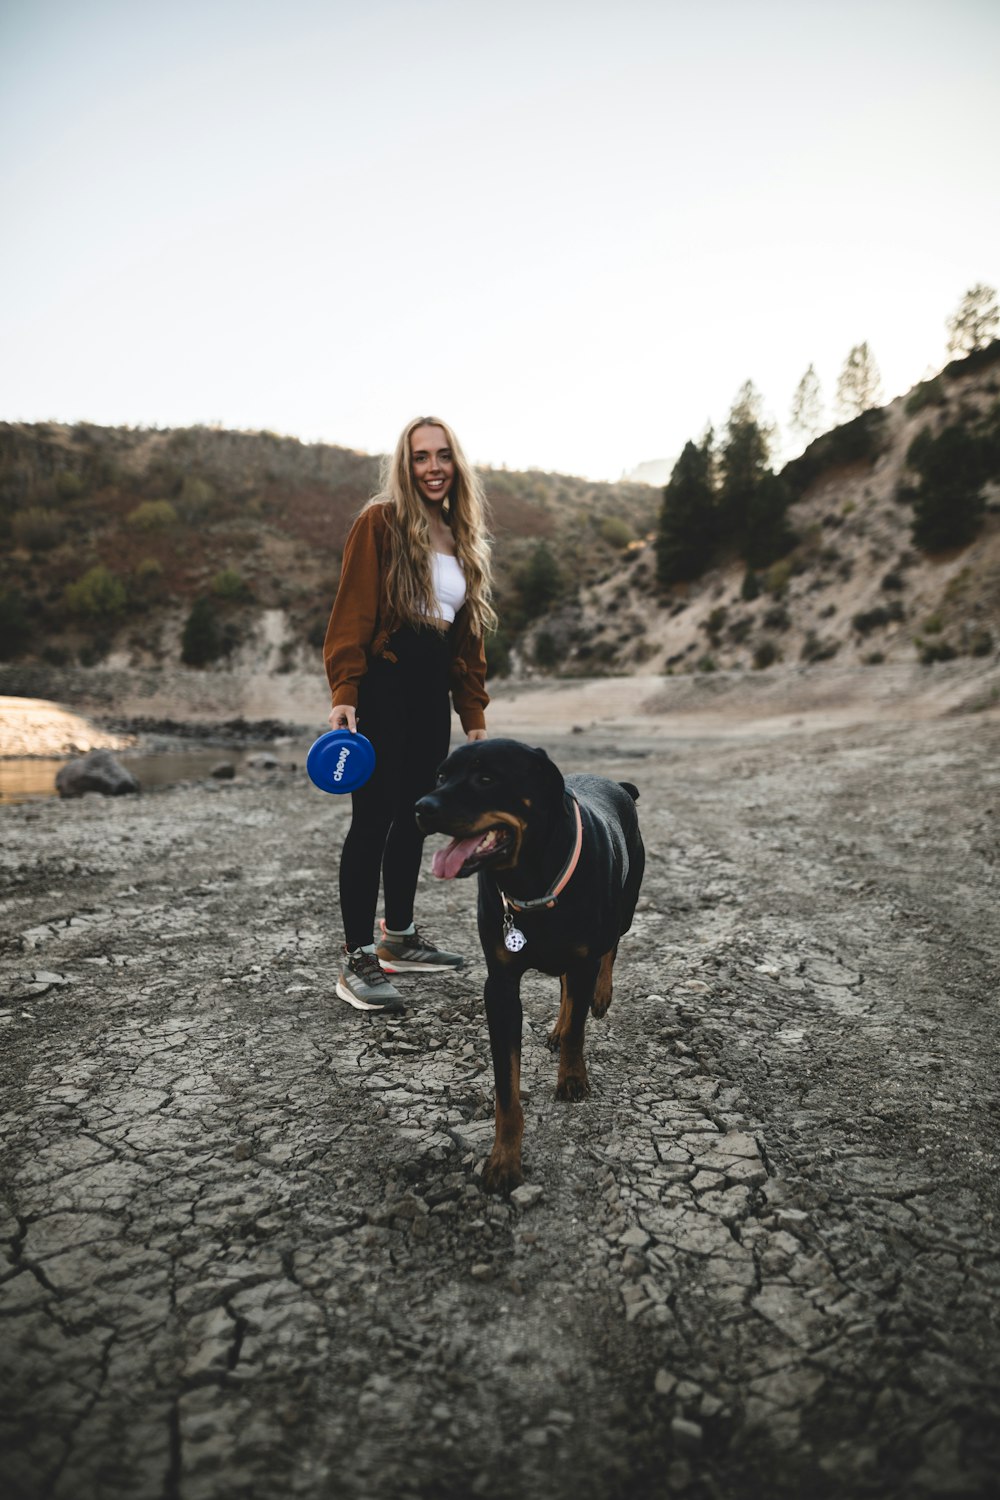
point(503, 1014)
point(578, 985)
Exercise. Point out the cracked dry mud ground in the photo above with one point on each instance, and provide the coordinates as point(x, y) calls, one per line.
point(246, 1252)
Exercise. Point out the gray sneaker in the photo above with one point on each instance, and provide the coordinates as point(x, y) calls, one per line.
point(416, 952)
point(363, 985)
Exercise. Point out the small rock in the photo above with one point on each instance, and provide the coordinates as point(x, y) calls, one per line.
point(526, 1196)
point(634, 1238)
point(664, 1383)
point(686, 1435)
point(224, 771)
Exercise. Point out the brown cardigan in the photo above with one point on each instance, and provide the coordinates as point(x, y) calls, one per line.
point(363, 619)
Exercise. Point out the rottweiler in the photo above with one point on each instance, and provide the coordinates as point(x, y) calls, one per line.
point(560, 863)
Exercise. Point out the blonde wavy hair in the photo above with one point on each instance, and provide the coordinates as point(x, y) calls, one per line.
point(409, 575)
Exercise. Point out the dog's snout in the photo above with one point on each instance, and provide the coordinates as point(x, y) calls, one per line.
point(425, 811)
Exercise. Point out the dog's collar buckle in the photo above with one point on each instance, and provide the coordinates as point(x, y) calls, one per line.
point(550, 898)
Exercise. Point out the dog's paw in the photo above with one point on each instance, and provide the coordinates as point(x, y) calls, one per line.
point(573, 1088)
point(502, 1175)
point(599, 1006)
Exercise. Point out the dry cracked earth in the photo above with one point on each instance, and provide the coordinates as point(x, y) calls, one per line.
point(246, 1251)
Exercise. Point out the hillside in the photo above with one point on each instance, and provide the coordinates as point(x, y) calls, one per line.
point(112, 534)
point(854, 587)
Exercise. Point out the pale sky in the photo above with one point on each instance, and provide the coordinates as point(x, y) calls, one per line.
point(572, 228)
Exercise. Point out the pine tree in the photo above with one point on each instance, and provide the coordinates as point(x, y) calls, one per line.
point(539, 582)
point(807, 407)
point(686, 531)
point(768, 536)
point(974, 322)
point(859, 387)
point(744, 462)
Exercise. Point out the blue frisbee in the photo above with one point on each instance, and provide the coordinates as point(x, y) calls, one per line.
point(340, 761)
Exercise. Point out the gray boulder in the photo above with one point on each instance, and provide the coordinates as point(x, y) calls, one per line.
point(96, 772)
point(263, 761)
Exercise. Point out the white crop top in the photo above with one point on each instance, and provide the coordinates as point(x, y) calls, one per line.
point(448, 584)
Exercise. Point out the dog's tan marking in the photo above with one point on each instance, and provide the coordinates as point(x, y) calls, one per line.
point(503, 1170)
point(562, 1020)
point(603, 987)
point(572, 1082)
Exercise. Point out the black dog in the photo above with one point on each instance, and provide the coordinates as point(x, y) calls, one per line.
point(559, 864)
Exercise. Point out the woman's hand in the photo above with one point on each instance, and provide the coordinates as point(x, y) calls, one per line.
point(344, 716)
point(476, 734)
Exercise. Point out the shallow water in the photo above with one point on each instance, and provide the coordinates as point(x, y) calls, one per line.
point(22, 780)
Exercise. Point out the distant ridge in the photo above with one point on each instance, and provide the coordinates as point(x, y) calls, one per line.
point(654, 471)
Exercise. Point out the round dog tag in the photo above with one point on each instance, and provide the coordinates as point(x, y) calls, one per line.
point(340, 762)
point(513, 938)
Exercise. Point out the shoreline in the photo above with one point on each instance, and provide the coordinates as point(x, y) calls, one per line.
point(71, 713)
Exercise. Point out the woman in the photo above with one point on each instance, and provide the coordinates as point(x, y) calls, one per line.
point(407, 625)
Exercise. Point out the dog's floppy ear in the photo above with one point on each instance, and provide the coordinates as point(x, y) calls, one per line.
point(554, 783)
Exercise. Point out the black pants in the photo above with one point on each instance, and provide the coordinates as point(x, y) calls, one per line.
point(403, 709)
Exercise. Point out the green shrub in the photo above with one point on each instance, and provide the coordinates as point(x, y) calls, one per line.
point(874, 658)
point(153, 515)
point(931, 651)
point(979, 359)
point(196, 496)
point(202, 639)
point(94, 651)
point(149, 569)
point(616, 532)
point(740, 629)
point(68, 485)
point(706, 664)
point(715, 621)
point(765, 655)
point(546, 650)
point(893, 582)
point(750, 587)
point(777, 577)
point(934, 623)
point(99, 594)
point(37, 528)
point(814, 649)
point(777, 618)
point(949, 507)
point(873, 619)
point(497, 653)
point(231, 586)
point(15, 627)
point(927, 393)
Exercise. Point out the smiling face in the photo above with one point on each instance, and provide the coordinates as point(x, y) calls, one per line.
point(431, 463)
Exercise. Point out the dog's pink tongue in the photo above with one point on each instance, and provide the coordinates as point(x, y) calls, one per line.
point(448, 861)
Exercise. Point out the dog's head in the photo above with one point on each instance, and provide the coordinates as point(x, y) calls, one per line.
point(488, 794)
